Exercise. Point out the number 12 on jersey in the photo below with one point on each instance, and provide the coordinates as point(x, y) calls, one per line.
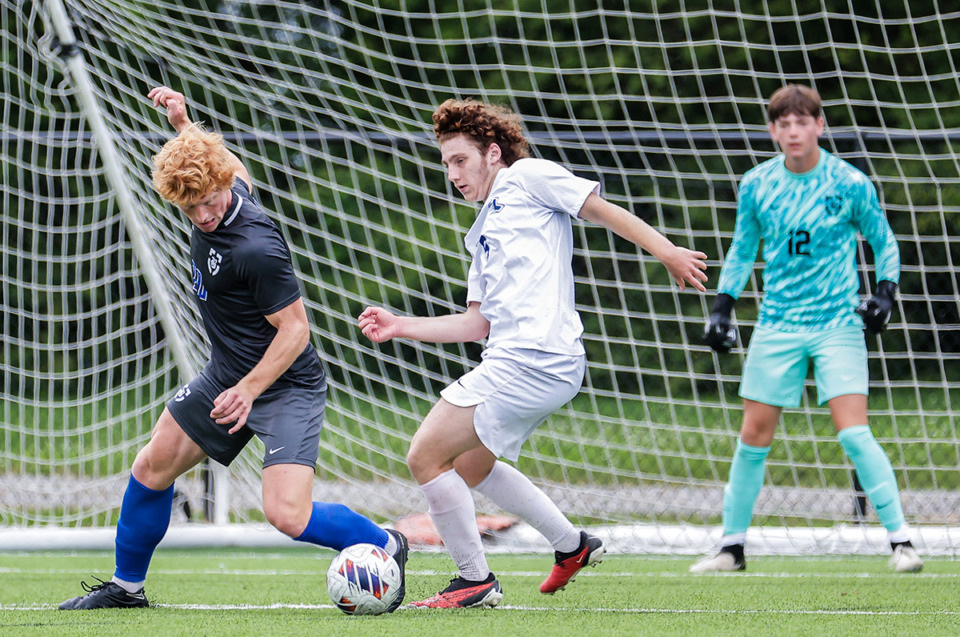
point(799, 243)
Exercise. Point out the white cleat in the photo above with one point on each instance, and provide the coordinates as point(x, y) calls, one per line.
point(905, 559)
point(722, 562)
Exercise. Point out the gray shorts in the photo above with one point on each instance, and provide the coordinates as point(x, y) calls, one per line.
point(287, 419)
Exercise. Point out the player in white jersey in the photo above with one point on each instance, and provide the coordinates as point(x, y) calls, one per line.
point(807, 206)
point(520, 297)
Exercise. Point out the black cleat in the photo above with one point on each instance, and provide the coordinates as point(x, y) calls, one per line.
point(105, 595)
point(400, 556)
point(463, 593)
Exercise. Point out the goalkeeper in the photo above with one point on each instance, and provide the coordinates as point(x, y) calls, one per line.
point(264, 377)
point(807, 206)
point(520, 297)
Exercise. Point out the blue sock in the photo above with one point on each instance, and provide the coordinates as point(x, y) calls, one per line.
point(144, 518)
point(337, 527)
point(875, 472)
point(743, 486)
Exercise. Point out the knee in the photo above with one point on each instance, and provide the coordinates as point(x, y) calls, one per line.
point(289, 520)
point(758, 433)
point(149, 472)
point(419, 465)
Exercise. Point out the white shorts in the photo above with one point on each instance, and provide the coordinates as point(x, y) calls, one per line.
point(514, 392)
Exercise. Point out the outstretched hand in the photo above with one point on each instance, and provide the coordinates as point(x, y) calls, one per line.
point(174, 102)
point(378, 324)
point(686, 266)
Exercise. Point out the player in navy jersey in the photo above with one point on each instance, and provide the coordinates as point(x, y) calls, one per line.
point(520, 297)
point(264, 377)
point(807, 206)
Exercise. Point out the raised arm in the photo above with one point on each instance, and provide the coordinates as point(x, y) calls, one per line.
point(685, 266)
point(381, 325)
point(176, 105)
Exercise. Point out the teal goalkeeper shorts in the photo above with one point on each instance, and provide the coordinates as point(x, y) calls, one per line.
point(777, 364)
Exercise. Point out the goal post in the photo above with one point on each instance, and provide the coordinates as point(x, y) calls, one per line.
point(328, 105)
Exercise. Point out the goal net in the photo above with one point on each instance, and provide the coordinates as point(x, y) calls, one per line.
point(328, 104)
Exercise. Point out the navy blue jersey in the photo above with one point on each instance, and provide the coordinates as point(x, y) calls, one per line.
point(242, 272)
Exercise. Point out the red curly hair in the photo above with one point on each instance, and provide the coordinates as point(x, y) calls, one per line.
point(192, 165)
point(485, 123)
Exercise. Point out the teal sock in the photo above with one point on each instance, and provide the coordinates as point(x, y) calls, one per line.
point(743, 487)
point(876, 474)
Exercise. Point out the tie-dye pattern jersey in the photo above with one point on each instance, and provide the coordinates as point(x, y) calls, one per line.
point(808, 223)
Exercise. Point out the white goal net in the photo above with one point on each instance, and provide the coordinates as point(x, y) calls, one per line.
point(329, 104)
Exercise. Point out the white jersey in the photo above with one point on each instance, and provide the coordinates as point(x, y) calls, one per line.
point(522, 247)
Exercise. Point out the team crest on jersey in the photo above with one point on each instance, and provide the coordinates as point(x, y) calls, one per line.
point(182, 394)
point(833, 204)
point(213, 262)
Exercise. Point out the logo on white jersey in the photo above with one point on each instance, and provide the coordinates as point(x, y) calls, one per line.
point(213, 262)
point(495, 206)
point(484, 244)
point(182, 394)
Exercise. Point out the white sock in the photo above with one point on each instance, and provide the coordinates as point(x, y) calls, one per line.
point(515, 493)
point(130, 587)
point(392, 546)
point(900, 535)
point(455, 517)
point(733, 538)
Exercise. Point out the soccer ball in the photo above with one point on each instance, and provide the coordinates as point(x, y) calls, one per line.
point(363, 580)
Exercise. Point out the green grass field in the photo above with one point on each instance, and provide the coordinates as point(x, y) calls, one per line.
point(242, 592)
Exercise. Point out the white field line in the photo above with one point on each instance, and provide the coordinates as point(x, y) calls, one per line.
point(509, 607)
point(501, 573)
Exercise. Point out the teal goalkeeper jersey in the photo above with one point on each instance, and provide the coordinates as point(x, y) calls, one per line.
point(808, 223)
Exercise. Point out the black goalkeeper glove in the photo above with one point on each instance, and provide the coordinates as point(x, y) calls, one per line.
point(719, 333)
point(876, 310)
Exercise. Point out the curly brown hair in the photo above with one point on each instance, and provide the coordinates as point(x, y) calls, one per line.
point(485, 123)
point(191, 166)
point(793, 99)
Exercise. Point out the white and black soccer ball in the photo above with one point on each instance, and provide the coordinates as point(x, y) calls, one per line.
point(363, 579)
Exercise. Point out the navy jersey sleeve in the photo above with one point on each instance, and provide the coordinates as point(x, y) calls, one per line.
point(267, 269)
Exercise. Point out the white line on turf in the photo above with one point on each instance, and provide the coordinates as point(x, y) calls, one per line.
point(509, 607)
point(500, 573)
